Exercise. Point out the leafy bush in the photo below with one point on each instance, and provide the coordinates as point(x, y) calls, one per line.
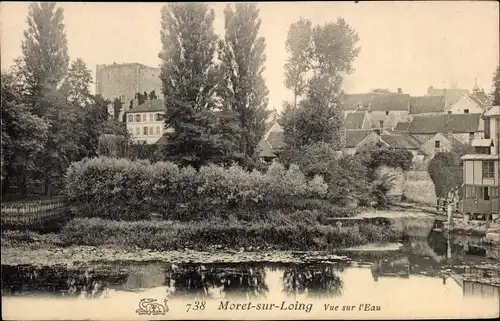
point(137, 188)
point(392, 157)
point(345, 175)
point(446, 171)
point(292, 233)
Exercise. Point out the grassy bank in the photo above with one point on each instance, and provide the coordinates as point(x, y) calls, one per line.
point(288, 234)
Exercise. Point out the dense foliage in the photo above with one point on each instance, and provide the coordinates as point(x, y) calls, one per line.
point(49, 117)
point(138, 188)
point(446, 171)
point(496, 87)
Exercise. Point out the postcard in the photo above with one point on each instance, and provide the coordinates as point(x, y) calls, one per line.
point(250, 160)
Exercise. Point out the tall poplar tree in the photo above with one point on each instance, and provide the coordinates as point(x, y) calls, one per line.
point(190, 80)
point(244, 89)
point(44, 61)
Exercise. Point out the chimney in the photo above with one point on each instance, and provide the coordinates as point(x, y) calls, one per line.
point(400, 91)
point(135, 103)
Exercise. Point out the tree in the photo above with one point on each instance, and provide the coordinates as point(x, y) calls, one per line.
point(93, 121)
point(76, 85)
point(299, 46)
point(152, 95)
point(318, 117)
point(45, 57)
point(496, 87)
point(23, 135)
point(190, 83)
point(244, 90)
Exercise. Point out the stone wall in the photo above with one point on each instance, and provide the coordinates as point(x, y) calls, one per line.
point(414, 186)
point(123, 81)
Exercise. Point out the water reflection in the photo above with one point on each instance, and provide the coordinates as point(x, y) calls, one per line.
point(318, 281)
point(204, 282)
point(457, 262)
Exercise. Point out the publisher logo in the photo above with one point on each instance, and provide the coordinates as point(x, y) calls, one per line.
point(149, 306)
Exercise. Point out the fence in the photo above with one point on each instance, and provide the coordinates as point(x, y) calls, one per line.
point(41, 213)
point(442, 205)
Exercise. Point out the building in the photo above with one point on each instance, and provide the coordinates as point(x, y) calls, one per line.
point(382, 110)
point(360, 140)
point(467, 104)
point(356, 120)
point(427, 105)
point(482, 169)
point(145, 122)
point(123, 81)
point(450, 95)
point(463, 127)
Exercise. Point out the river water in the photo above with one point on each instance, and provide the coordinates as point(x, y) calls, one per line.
point(427, 278)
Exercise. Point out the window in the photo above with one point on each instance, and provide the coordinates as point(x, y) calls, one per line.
point(157, 116)
point(143, 117)
point(150, 117)
point(437, 144)
point(487, 128)
point(471, 136)
point(157, 130)
point(151, 131)
point(130, 118)
point(387, 113)
point(145, 131)
point(466, 111)
point(137, 130)
point(488, 169)
point(486, 193)
point(381, 124)
point(483, 150)
point(449, 112)
point(137, 118)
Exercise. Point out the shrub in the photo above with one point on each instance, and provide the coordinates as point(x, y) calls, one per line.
point(446, 171)
point(137, 188)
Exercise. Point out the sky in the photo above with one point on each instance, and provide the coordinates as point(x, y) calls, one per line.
point(408, 45)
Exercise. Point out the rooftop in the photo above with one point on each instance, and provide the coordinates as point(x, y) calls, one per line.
point(401, 140)
point(445, 123)
point(427, 104)
point(492, 111)
point(480, 157)
point(354, 137)
point(355, 120)
point(389, 101)
point(149, 106)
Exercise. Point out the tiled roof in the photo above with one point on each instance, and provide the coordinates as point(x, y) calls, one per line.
point(478, 101)
point(481, 97)
point(492, 111)
point(355, 120)
point(265, 149)
point(480, 157)
point(402, 126)
point(272, 141)
point(446, 123)
point(354, 137)
point(276, 140)
point(149, 106)
point(389, 101)
point(352, 101)
point(451, 95)
point(401, 141)
point(427, 104)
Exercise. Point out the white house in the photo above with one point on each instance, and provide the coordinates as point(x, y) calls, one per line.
point(145, 122)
